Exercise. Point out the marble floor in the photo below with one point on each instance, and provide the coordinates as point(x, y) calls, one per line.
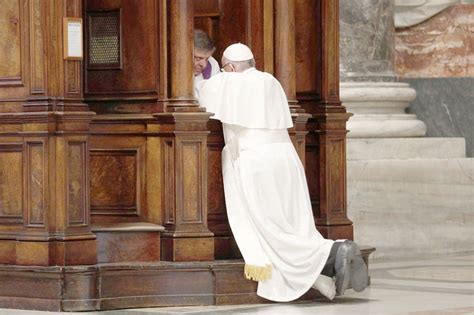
point(435, 286)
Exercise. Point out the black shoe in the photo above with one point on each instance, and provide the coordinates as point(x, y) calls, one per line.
point(350, 268)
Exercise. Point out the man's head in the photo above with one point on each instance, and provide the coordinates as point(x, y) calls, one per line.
point(237, 58)
point(203, 49)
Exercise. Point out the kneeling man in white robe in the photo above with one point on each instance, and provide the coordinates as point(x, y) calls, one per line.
point(266, 193)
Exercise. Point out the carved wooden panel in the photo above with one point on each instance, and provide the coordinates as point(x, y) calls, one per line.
point(10, 42)
point(337, 172)
point(191, 175)
point(11, 186)
point(169, 177)
point(36, 181)
point(76, 183)
point(217, 216)
point(312, 175)
point(73, 78)
point(115, 181)
point(37, 62)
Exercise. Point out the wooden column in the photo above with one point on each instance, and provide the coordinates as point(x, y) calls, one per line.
point(285, 69)
point(331, 117)
point(285, 48)
point(181, 40)
point(317, 64)
point(62, 149)
point(53, 141)
point(184, 153)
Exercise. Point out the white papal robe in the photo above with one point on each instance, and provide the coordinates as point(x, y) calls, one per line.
point(266, 193)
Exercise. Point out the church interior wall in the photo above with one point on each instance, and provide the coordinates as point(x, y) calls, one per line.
point(436, 57)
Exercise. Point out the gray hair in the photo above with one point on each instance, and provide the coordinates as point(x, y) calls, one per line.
point(202, 41)
point(240, 66)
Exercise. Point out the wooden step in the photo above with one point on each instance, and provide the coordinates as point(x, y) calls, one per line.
point(128, 242)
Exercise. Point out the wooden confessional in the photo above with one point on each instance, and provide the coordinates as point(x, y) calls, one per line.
point(110, 180)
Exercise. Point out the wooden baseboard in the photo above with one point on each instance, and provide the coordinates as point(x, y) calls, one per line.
point(130, 285)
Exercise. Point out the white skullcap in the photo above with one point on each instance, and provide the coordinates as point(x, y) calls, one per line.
point(238, 52)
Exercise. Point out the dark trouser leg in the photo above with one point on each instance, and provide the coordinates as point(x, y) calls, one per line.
point(328, 269)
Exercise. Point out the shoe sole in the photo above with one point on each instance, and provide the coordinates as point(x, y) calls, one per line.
point(345, 254)
point(359, 272)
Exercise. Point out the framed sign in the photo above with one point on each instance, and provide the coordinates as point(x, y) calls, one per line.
point(72, 38)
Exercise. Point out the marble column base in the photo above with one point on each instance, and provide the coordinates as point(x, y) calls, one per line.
point(379, 110)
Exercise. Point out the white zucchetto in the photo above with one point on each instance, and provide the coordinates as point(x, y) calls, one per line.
point(238, 52)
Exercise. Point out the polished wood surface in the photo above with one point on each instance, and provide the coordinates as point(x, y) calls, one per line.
point(181, 49)
point(285, 67)
point(130, 285)
point(317, 60)
point(128, 242)
point(134, 86)
point(85, 151)
point(44, 141)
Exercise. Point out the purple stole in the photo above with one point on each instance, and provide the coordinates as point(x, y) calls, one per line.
point(206, 73)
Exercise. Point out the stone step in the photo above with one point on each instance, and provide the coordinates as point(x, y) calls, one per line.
point(412, 207)
point(405, 148)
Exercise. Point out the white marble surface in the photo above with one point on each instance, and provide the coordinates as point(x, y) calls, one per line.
point(405, 148)
point(412, 207)
point(379, 110)
point(387, 126)
point(389, 294)
point(376, 91)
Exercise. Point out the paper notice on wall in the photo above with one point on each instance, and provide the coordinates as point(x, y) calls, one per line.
point(73, 39)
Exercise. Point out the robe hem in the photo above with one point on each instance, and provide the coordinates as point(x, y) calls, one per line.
point(298, 293)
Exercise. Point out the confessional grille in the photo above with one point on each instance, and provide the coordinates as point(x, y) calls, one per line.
point(104, 39)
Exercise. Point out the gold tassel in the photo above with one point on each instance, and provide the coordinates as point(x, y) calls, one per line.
point(258, 273)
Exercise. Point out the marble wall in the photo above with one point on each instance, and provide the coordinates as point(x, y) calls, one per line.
point(366, 41)
point(442, 46)
point(436, 57)
point(446, 106)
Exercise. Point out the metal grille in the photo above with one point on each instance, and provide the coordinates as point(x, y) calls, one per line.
point(104, 39)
